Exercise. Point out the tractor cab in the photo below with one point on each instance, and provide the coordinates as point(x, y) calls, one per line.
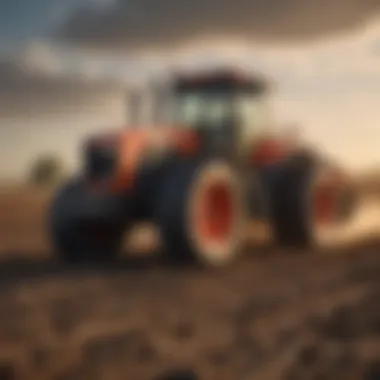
point(229, 109)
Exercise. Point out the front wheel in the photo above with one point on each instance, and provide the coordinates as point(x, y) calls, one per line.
point(79, 237)
point(200, 213)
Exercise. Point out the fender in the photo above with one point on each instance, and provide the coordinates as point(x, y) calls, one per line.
point(135, 146)
point(269, 151)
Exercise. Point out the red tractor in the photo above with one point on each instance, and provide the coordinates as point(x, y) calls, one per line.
point(199, 177)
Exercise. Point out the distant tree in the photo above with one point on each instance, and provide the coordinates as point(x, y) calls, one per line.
point(46, 170)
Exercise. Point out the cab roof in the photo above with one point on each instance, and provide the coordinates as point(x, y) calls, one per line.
point(226, 79)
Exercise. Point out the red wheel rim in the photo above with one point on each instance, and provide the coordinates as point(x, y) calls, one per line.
point(216, 213)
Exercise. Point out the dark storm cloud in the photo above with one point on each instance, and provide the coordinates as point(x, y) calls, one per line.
point(16, 76)
point(162, 23)
point(28, 93)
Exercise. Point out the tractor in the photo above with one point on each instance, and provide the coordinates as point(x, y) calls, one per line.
point(199, 175)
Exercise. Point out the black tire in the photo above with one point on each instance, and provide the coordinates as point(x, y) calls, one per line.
point(289, 205)
point(75, 237)
point(180, 246)
point(292, 204)
point(258, 197)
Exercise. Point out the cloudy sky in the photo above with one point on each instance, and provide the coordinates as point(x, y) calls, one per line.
point(64, 64)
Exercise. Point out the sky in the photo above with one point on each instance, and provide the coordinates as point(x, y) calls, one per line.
point(65, 64)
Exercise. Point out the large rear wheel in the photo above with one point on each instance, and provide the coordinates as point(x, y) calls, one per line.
point(200, 213)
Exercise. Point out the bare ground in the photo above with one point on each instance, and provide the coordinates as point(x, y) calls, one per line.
point(274, 315)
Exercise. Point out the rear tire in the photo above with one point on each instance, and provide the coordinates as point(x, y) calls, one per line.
point(78, 239)
point(294, 220)
point(184, 189)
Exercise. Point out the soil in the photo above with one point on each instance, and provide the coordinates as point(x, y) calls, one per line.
point(273, 315)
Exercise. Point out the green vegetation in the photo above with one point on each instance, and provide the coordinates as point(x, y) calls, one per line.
point(46, 170)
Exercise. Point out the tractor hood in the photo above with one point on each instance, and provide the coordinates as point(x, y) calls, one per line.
point(130, 148)
point(159, 137)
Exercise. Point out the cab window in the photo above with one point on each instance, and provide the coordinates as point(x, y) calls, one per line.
point(195, 109)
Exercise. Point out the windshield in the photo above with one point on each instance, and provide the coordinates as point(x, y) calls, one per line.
point(251, 112)
point(194, 109)
point(254, 115)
